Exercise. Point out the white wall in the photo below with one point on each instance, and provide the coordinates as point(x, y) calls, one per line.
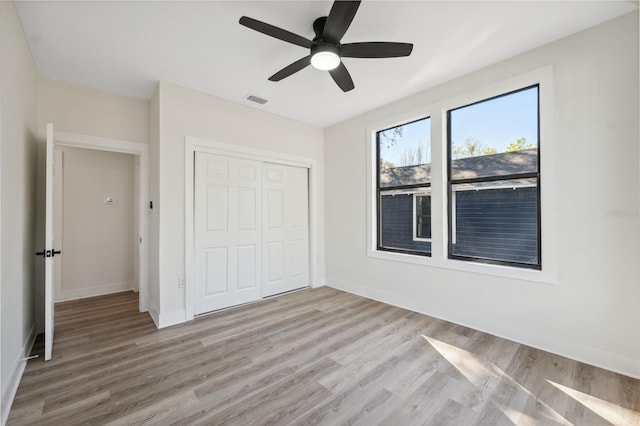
point(591, 313)
point(18, 95)
point(187, 113)
point(88, 111)
point(97, 238)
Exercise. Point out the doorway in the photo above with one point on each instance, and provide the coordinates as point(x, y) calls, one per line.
point(140, 152)
point(95, 219)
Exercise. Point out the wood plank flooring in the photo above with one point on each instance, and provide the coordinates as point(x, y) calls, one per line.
point(312, 357)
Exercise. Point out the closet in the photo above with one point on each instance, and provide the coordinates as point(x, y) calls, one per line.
point(251, 230)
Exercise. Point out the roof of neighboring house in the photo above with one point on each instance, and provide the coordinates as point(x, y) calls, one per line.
point(507, 163)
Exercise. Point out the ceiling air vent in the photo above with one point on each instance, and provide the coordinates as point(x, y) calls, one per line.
point(256, 99)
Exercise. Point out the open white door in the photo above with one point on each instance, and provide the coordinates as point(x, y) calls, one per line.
point(49, 250)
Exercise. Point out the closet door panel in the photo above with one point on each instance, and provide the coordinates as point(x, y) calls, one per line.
point(285, 228)
point(228, 231)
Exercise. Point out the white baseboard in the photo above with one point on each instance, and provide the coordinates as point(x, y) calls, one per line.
point(319, 282)
point(153, 311)
point(163, 320)
point(586, 354)
point(171, 318)
point(15, 375)
point(102, 290)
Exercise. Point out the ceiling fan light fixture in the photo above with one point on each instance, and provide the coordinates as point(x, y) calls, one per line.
point(325, 60)
point(325, 57)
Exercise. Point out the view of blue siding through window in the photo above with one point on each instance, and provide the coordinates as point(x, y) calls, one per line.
point(397, 226)
point(497, 224)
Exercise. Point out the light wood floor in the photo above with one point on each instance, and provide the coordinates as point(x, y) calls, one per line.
point(317, 356)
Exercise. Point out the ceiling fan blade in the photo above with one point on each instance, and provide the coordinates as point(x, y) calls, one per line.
point(291, 69)
point(342, 77)
point(339, 19)
point(275, 32)
point(376, 49)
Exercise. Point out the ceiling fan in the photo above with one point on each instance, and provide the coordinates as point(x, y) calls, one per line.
point(326, 50)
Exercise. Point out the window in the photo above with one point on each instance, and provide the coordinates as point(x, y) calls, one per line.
point(404, 188)
point(474, 202)
point(423, 216)
point(494, 180)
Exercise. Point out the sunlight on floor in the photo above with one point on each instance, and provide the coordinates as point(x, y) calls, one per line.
point(612, 413)
point(478, 371)
point(519, 418)
point(473, 369)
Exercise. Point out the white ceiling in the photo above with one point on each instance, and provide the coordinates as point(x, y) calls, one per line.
point(127, 47)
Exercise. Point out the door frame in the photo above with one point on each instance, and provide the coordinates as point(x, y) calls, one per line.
point(193, 145)
point(77, 140)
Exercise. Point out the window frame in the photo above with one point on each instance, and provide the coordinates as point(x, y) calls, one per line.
point(380, 191)
point(452, 239)
point(436, 108)
point(415, 216)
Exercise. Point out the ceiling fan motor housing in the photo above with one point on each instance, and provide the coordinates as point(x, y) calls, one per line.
point(318, 27)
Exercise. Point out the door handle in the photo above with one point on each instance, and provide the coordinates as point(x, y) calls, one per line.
point(48, 253)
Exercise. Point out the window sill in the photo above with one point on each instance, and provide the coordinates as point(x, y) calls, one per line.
point(544, 276)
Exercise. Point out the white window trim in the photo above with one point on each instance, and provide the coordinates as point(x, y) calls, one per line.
point(415, 218)
point(454, 213)
point(439, 221)
point(496, 186)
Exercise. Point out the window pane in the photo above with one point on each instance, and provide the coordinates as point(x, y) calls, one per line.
point(396, 224)
point(496, 137)
point(405, 154)
point(496, 220)
point(423, 216)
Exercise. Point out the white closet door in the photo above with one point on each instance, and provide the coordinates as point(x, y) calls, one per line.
point(227, 219)
point(285, 228)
